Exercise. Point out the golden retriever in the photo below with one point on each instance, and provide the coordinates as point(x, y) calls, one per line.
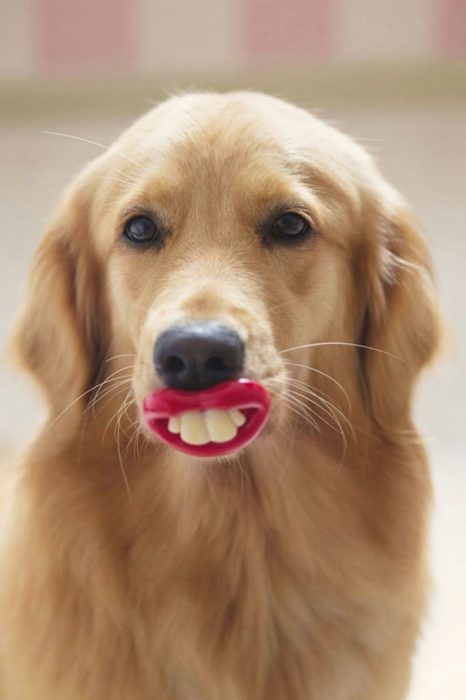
point(294, 567)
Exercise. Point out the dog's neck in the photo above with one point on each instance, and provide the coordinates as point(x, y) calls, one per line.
point(138, 479)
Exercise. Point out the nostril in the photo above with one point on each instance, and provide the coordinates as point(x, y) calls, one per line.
point(215, 364)
point(174, 364)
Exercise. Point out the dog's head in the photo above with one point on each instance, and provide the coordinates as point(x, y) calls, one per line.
point(228, 236)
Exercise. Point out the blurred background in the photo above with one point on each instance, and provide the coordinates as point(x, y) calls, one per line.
point(392, 73)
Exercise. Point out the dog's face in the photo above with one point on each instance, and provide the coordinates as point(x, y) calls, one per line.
point(234, 236)
point(225, 233)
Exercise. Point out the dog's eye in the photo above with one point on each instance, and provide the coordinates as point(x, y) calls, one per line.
point(141, 229)
point(288, 227)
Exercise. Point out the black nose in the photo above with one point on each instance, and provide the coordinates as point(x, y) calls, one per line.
point(198, 355)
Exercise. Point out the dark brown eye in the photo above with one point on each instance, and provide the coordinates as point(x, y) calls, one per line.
point(141, 229)
point(288, 228)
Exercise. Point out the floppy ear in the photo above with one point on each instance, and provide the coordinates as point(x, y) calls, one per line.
point(402, 322)
point(58, 338)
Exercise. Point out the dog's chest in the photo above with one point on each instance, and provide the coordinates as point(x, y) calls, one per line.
point(261, 622)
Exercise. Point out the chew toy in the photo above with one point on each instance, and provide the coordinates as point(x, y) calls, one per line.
point(210, 423)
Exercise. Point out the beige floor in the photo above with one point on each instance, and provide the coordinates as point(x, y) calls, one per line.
point(424, 154)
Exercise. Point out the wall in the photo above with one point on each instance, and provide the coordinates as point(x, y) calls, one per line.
point(50, 38)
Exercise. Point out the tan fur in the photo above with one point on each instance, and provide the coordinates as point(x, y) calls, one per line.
point(295, 570)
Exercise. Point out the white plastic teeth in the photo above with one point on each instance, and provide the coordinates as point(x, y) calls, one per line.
point(201, 427)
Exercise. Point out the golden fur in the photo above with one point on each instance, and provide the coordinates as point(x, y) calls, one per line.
point(295, 570)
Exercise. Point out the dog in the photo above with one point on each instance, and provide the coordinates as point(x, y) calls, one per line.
point(225, 243)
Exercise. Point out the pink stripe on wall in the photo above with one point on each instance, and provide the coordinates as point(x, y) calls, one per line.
point(295, 29)
point(452, 27)
point(83, 35)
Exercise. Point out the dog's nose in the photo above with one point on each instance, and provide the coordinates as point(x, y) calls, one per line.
point(196, 356)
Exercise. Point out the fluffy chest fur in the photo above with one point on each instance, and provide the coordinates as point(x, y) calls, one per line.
point(231, 586)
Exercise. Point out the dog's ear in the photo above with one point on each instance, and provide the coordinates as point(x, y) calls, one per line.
point(59, 336)
point(402, 323)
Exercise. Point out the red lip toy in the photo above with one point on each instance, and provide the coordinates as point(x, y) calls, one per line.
point(208, 423)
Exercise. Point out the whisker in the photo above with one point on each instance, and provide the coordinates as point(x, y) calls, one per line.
point(76, 400)
point(108, 380)
point(305, 414)
point(329, 410)
point(139, 436)
point(323, 374)
point(135, 434)
point(112, 392)
point(94, 143)
point(316, 393)
point(294, 410)
point(108, 383)
point(303, 385)
point(120, 369)
point(123, 354)
point(331, 406)
point(123, 409)
point(279, 306)
point(341, 344)
point(117, 390)
point(314, 403)
point(120, 177)
point(303, 390)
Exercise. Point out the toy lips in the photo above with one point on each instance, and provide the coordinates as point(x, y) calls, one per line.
point(208, 423)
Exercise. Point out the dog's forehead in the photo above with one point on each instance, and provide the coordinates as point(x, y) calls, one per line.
point(195, 131)
point(236, 154)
